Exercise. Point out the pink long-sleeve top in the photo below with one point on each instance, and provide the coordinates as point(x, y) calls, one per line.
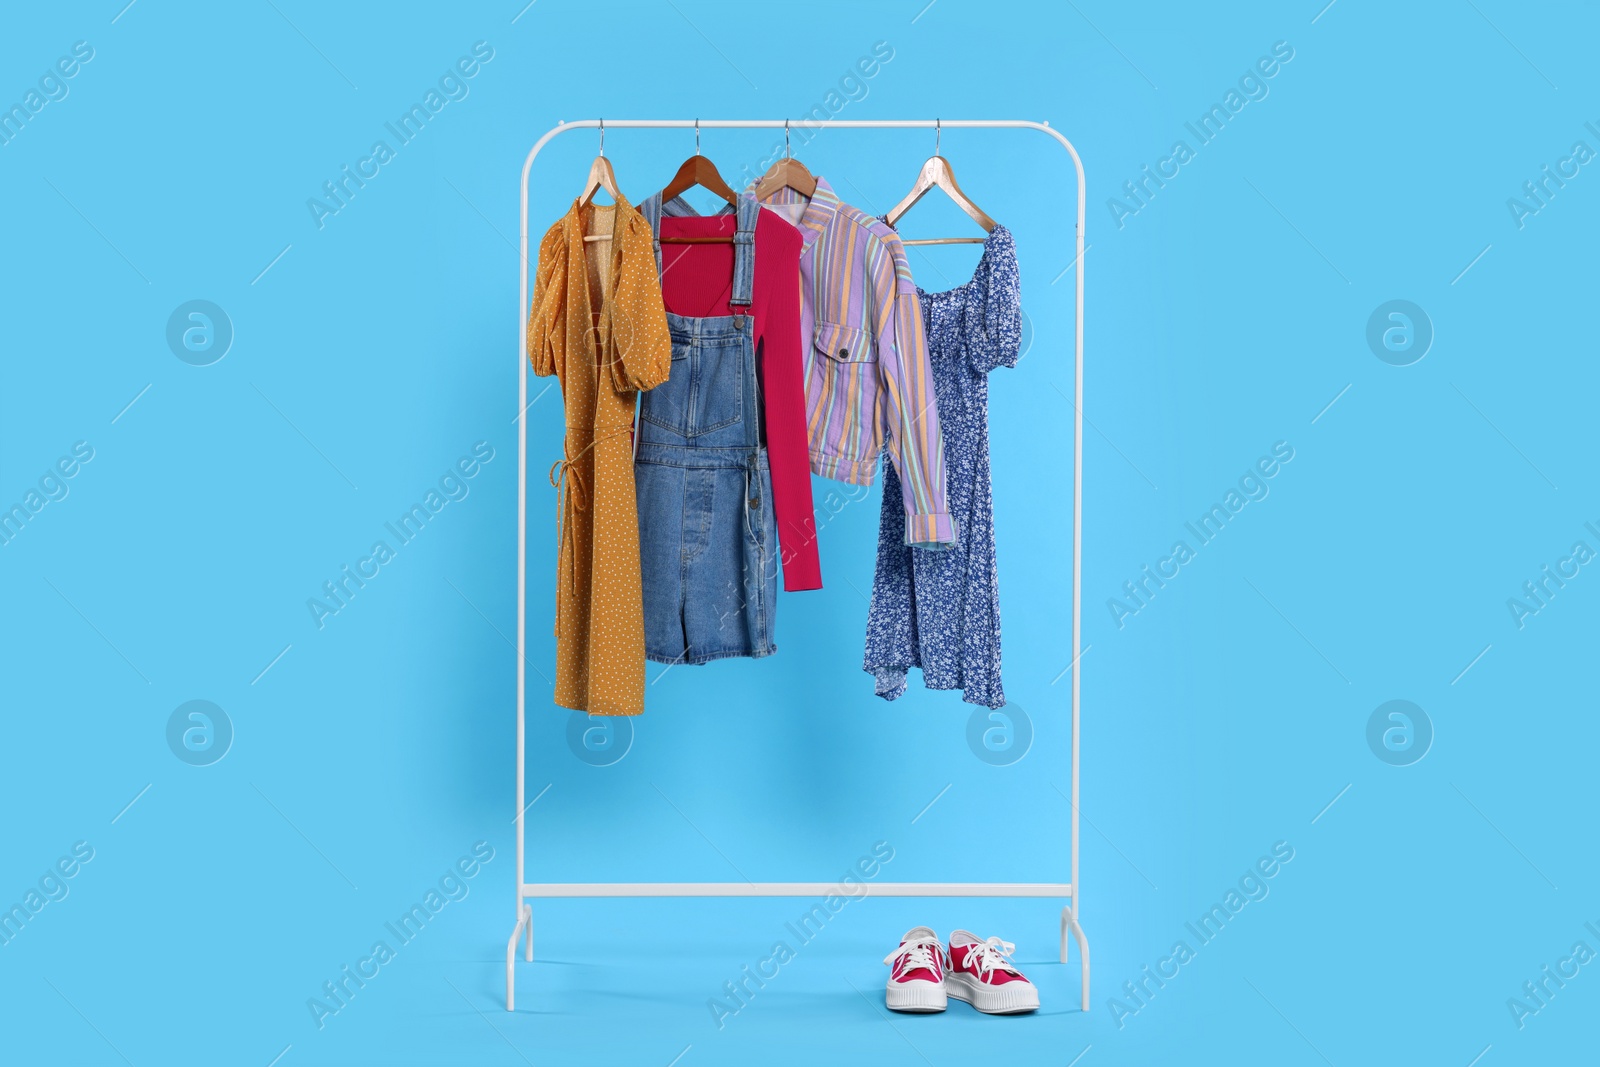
point(697, 281)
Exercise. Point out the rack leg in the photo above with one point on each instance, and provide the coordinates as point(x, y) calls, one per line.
point(527, 918)
point(511, 957)
point(1069, 922)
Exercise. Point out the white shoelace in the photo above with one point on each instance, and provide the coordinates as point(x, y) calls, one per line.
point(923, 952)
point(990, 955)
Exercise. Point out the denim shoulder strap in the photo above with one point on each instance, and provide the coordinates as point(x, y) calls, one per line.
point(744, 250)
point(650, 208)
point(678, 207)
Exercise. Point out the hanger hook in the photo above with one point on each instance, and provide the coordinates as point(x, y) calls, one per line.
point(786, 150)
point(602, 137)
point(697, 137)
point(937, 131)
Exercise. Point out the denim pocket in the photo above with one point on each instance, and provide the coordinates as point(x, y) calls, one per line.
point(667, 405)
point(718, 395)
point(704, 392)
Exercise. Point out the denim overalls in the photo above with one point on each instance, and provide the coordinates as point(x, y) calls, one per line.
point(706, 528)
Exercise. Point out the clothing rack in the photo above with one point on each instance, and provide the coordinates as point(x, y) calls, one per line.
point(1071, 913)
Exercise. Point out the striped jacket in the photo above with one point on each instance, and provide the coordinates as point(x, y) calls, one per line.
point(868, 378)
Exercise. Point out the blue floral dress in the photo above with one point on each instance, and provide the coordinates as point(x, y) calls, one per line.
point(940, 610)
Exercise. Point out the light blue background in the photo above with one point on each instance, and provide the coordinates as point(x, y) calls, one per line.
point(1225, 716)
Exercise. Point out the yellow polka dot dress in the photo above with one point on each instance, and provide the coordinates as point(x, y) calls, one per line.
point(598, 324)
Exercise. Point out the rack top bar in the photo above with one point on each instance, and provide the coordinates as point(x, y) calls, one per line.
point(778, 124)
point(796, 889)
point(809, 124)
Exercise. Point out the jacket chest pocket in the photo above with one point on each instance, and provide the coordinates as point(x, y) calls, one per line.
point(845, 376)
point(704, 392)
point(844, 344)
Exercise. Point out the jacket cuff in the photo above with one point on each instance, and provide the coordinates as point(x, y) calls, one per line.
point(934, 530)
point(844, 469)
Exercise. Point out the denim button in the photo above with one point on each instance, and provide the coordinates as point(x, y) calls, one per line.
point(755, 502)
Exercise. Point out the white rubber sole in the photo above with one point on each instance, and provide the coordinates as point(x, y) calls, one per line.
point(1013, 998)
point(915, 997)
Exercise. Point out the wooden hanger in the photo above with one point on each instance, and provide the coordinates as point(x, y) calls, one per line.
point(698, 170)
point(936, 173)
point(601, 176)
point(787, 173)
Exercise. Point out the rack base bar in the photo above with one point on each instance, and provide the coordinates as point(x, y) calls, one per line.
point(523, 931)
point(795, 889)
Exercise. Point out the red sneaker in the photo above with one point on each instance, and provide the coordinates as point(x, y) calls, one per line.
point(982, 975)
point(916, 973)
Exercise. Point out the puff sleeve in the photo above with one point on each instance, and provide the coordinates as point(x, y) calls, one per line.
point(547, 334)
point(641, 345)
point(992, 325)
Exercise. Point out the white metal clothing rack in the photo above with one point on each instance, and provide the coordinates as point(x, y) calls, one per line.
point(1071, 914)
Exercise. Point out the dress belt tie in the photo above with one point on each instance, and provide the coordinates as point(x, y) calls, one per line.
point(568, 482)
